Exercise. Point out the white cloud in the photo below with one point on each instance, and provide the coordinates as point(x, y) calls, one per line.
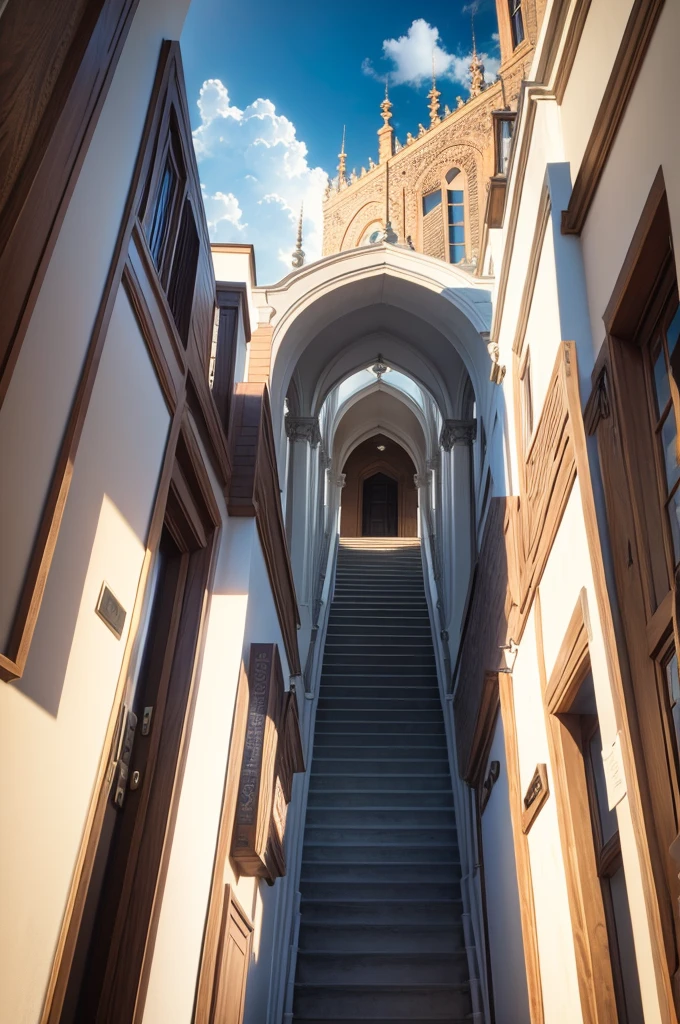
point(411, 58)
point(256, 155)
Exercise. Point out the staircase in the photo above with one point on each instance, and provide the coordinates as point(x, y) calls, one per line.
point(381, 936)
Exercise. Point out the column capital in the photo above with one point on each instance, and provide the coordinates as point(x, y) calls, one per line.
point(337, 479)
point(324, 458)
point(457, 432)
point(303, 428)
point(422, 479)
point(434, 462)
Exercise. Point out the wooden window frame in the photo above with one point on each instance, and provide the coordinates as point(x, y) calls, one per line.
point(499, 117)
point(179, 370)
point(586, 905)
point(35, 205)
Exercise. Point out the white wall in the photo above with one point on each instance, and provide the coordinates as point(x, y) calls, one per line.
point(53, 721)
point(508, 972)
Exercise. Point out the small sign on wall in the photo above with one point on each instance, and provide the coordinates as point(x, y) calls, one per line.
point(110, 610)
point(536, 795)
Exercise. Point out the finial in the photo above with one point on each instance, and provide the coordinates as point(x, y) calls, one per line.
point(433, 96)
point(298, 258)
point(386, 106)
point(342, 157)
point(476, 66)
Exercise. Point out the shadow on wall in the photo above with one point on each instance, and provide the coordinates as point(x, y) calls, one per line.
point(379, 455)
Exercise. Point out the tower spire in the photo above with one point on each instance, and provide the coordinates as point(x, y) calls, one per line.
point(476, 66)
point(433, 96)
point(342, 166)
point(298, 258)
point(386, 133)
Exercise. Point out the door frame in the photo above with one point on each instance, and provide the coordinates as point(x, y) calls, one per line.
point(184, 483)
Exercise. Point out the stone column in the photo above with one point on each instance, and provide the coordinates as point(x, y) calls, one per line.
point(456, 439)
point(304, 438)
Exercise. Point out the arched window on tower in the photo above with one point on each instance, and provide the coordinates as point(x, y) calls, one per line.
point(455, 215)
point(516, 22)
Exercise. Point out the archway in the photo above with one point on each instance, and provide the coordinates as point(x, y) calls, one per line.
point(379, 497)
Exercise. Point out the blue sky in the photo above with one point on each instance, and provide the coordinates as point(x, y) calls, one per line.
point(270, 86)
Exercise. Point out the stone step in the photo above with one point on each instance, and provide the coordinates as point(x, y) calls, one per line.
point(390, 817)
point(402, 1002)
point(373, 766)
point(435, 781)
point(372, 890)
point(446, 938)
point(352, 726)
point(383, 853)
point(403, 913)
point(381, 967)
point(384, 798)
point(408, 835)
point(397, 741)
point(402, 752)
point(404, 872)
point(381, 714)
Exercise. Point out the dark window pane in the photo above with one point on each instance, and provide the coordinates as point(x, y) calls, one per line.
point(455, 195)
point(673, 679)
point(673, 331)
point(183, 277)
point(669, 443)
point(516, 22)
point(457, 253)
point(661, 385)
point(674, 517)
point(162, 213)
point(431, 201)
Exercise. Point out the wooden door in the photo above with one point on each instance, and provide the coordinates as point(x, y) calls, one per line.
point(111, 961)
point(380, 506)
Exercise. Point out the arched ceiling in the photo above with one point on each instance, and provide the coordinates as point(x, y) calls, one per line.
point(379, 411)
point(333, 317)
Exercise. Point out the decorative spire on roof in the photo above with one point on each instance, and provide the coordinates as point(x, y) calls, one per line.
point(476, 66)
point(342, 166)
point(433, 96)
point(298, 257)
point(386, 105)
point(386, 133)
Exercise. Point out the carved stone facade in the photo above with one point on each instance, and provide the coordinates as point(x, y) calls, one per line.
point(462, 139)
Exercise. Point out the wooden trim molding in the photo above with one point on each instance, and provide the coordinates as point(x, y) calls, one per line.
point(492, 599)
point(233, 961)
point(588, 920)
point(521, 846)
point(255, 492)
point(572, 660)
point(631, 54)
point(48, 123)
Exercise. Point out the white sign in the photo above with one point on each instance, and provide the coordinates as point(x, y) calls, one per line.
point(614, 774)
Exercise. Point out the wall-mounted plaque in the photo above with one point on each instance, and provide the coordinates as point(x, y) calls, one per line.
point(536, 795)
point(110, 610)
point(272, 753)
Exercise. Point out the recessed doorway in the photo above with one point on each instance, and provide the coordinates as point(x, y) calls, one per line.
point(380, 506)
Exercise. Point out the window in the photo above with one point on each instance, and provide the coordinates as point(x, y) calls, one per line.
point(516, 22)
point(372, 233)
point(163, 211)
point(431, 202)
point(163, 216)
point(455, 203)
point(663, 373)
point(504, 125)
point(183, 276)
